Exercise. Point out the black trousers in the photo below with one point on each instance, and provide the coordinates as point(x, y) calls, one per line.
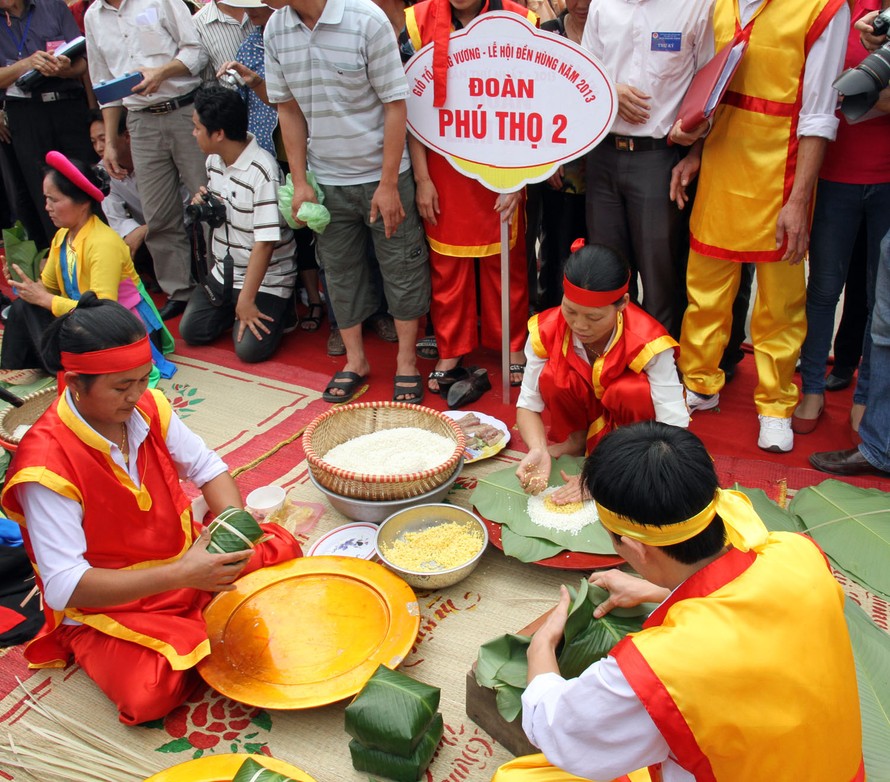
point(22, 334)
point(37, 128)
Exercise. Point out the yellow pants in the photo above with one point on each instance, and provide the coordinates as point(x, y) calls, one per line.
point(535, 768)
point(778, 328)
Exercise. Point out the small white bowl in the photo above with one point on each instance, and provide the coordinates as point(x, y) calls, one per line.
point(264, 501)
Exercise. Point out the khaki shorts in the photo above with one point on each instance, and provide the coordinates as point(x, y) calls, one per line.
point(344, 253)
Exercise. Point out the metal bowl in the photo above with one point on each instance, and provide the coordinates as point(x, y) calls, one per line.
point(422, 517)
point(376, 511)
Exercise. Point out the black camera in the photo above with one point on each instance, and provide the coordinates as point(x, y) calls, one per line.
point(212, 212)
point(861, 85)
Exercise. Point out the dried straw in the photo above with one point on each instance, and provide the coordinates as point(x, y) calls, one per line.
point(83, 754)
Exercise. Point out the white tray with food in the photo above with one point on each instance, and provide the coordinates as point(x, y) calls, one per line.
point(486, 435)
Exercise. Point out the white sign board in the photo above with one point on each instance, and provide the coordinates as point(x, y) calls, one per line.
point(520, 101)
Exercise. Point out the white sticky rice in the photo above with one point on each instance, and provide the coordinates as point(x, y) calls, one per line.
point(400, 451)
point(565, 522)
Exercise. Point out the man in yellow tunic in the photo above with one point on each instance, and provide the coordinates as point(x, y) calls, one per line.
point(744, 671)
point(759, 166)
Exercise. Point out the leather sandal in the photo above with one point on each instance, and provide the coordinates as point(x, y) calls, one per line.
point(313, 320)
point(517, 369)
point(468, 390)
point(347, 382)
point(408, 389)
point(447, 378)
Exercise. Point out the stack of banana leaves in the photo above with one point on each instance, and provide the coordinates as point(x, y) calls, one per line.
point(500, 498)
point(251, 771)
point(395, 725)
point(22, 252)
point(502, 664)
point(233, 530)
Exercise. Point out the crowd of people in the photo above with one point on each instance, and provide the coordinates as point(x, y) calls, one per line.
point(648, 247)
point(697, 213)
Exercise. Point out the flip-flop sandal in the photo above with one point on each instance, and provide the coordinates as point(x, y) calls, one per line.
point(516, 369)
point(409, 388)
point(445, 378)
point(312, 321)
point(427, 348)
point(347, 382)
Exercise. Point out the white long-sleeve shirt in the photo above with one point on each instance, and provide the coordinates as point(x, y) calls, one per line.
point(55, 523)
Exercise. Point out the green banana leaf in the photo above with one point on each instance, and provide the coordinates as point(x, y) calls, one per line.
point(251, 771)
point(231, 531)
point(527, 549)
point(500, 498)
point(508, 699)
point(775, 518)
point(407, 768)
point(852, 525)
point(871, 648)
point(20, 250)
point(494, 653)
point(392, 713)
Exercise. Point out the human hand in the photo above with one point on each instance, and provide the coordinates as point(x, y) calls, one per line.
point(687, 138)
point(427, 199)
point(867, 36)
point(135, 239)
point(571, 491)
point(250, 317)
point(791, 227)
point(633, 104)
point(251, 78)
point(198, 198)
point(46, 63)
point(555, 180)
point(110, 161)
point(387, 204)
point(506, 205)
point(199, 569)
point(550, 633)
point(31, 291)
point(682, 174)
point(152, 79)
point(625, 591)
point(303, 192)
point(534, 471)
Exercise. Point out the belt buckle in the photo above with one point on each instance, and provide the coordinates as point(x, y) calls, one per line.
point(624, 144)
point(162, 108)
point(48, 97)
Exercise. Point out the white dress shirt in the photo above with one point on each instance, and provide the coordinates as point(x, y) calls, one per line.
point(661, 371)
point(143, 34)
point(55, 523)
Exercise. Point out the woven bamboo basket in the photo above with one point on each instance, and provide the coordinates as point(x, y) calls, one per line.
point(35, 405)
point(340, 424)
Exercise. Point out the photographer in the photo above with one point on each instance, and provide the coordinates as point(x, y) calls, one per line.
point(253, 272)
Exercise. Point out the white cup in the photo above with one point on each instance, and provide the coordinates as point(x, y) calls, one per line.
point(266, 500)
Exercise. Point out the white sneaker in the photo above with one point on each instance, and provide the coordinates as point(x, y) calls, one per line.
point(775, 434)
point(701, 401)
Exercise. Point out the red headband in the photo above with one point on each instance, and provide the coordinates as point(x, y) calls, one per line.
point(104, 362)
point(585, 298)
point(68, 170)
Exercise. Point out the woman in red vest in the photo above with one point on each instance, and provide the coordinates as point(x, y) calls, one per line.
point(594, 363)
point(122, 565)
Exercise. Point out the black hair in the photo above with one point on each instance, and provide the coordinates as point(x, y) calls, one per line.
point(94, 324)
point(96, 116)
point(68, 188)
point(657, 475)
point(596, 267)
point(219, 108)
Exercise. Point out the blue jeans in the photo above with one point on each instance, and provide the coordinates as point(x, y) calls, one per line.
point(839, 211)
point(875, 427)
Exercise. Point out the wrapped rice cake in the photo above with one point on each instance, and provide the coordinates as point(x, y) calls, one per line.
point(392, 713)
point(401, 769)
point(251, 771)
point(233, 530)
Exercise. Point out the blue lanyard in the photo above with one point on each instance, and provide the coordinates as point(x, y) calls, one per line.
point(70, 279)
point(20, 45)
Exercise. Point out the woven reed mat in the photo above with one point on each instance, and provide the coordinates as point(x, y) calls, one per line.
point(501, 595)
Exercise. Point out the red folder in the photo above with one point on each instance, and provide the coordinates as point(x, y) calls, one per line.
point(708, 86)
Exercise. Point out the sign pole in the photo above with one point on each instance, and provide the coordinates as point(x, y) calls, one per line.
point(505, 310)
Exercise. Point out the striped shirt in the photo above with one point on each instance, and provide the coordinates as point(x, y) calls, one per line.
point(341, 73)
point(220, 36)
point(249, 189)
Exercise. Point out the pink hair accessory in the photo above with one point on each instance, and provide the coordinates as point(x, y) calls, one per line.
point(68, 170)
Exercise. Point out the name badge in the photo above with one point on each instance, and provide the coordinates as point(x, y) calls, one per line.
point(666, 42)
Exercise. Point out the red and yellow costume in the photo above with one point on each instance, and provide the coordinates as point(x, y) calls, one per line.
point(469, 227)
point(140, 652)
point(748, 167)
point(613, 391)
